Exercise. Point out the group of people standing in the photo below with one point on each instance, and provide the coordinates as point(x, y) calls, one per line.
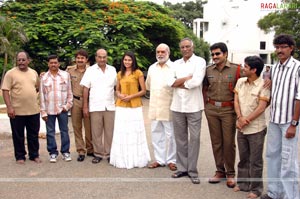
point(232, 97)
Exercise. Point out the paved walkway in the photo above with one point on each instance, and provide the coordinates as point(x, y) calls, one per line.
point(86, 180)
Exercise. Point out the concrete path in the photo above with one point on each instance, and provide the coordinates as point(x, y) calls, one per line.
point(86, 180)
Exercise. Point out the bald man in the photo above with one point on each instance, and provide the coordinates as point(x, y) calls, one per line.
point(99, 104)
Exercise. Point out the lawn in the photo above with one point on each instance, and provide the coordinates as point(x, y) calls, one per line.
point(1, 100)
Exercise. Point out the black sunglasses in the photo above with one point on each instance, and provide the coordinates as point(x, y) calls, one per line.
point(217, 54)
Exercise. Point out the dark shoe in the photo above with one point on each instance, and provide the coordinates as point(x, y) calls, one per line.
point(179, 174)
point(90, 154)
point(96, 160)
point(195, 180)
point(108, 159)
point(172, 166)
point(80, 158)
point(155, 165)
point(230, 182)
point(265, 196)
point(218, 177)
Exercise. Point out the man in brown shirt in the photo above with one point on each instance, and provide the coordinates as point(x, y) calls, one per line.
point(76, 73)
point(218, 86)
point(19, 89)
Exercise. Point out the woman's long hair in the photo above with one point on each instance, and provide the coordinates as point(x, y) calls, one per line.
point(134, 63)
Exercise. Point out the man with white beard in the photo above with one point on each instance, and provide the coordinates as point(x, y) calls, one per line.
point(159, 110)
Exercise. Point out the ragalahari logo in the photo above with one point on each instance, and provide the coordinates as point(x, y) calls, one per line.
point(275, 6)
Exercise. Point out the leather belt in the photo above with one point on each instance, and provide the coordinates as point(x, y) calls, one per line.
point(76, 97)
point(221, 104)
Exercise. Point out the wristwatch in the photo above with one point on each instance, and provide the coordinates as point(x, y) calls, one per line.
point(294, 123)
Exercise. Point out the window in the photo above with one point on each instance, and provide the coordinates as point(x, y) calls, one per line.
point(262, 45)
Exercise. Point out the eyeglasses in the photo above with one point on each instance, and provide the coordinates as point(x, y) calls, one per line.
point(281, 47)
point(217, 54)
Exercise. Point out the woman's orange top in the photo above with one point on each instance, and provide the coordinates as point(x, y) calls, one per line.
point(130, 85)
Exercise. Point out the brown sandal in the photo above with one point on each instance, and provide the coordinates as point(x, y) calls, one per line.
point(172, 166)
point(155, 165)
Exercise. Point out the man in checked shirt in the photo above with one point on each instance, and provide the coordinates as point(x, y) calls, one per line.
point(56, 98)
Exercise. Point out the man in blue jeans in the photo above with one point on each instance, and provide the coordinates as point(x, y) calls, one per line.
point(56, 99)
point(282, 138)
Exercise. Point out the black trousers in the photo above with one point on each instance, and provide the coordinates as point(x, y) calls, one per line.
point(250, 167)
point(32, 125)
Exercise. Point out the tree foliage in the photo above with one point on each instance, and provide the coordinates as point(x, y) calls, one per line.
point(284, 21)
point(186, 12)
point(12, 36)
point(64, 26)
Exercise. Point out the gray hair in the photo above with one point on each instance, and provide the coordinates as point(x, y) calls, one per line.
point(188, 39)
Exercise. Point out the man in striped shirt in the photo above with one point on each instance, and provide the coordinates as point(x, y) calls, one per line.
point(283, 129)
point(56, 99)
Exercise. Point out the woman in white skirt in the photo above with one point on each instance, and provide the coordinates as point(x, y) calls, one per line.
point(129, 146)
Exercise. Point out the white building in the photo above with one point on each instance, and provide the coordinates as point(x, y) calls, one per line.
point(234, 22)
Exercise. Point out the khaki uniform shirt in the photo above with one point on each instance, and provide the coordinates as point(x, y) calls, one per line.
point(221, 83)
point(22, 87)
point(77, 89)
point(249, 96)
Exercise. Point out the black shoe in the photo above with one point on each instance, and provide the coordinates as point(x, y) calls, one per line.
point(96, 160)
point(80, 158)
point(90, 154)
point(179, 174)
point(108, 159)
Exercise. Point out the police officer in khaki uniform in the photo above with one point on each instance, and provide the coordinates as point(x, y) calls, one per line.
point(219, 83)
point(76, 73)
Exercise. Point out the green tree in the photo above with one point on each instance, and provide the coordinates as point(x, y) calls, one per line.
point(186, 12)
point(64, 26)
point(284, 21)
point(12, 36)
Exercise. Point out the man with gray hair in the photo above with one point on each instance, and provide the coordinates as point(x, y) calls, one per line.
point(187, 106)
point(159, 110)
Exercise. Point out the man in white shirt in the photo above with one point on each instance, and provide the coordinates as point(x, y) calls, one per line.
point(187, 106)
point(159, 110)
point(98, 100)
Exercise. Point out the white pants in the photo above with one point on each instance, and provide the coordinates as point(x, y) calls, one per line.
point(163, 141)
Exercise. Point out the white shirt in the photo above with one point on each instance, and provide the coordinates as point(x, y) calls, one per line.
point(101, 85)
point(188, 100)
point(161, 93)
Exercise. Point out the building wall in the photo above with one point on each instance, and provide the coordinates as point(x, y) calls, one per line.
point(234, 22)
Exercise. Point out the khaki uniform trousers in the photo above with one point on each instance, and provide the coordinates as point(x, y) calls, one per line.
point(222, 128)
point(82, 147)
